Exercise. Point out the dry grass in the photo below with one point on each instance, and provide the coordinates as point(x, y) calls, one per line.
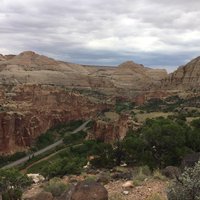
point(158, 175)
point(143, 174)
point(189, 119)
point(143, 116)
point(113, 116)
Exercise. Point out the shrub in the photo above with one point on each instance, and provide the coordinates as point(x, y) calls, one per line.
point(10, 158)
point(123, 106)
point(91, 178)
point(62, 167)
point(140, 177)
point(56, 133)
point(159, 143)
point(145, 170)
point(56, 187)
point(187, 186)
point(12, 183)
point(137, 182)
point(195, 123)
point(12, 194)
point(75, 138)
point(158, 175)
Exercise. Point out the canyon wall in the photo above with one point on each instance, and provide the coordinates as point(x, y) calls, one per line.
point(107, 130)
point(29, 110)
point(128, 78)
point(37, 92)
point(185, 78)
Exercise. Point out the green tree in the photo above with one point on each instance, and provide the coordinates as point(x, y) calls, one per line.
point(193, 136)
point(103, 153)
point(12, 183)
point(193, 139)
point(134, 148)
point(166, 140)
point(160, 142)
point(196, 123)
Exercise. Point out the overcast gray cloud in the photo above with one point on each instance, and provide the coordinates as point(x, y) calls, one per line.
point(152, 32)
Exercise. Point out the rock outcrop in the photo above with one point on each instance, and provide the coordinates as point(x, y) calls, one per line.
point(109, 130)
point(89, 190)
point(29, 67)
point(185, 78)
point(38, 92)
point(30, 110)
point(130, 74)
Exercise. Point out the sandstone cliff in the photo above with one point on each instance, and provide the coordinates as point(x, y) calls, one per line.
point(109, 129)
point(29, 67)
point(29, 110)
point(37, 92)
point(185, 78)
point(131, 75)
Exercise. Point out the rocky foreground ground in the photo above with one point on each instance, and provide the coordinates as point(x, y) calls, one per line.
point(102, 187)
point(147, 190)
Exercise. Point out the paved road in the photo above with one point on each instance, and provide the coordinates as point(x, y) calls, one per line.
point(22, 160)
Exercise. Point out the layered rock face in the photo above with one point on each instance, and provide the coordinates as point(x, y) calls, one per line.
point(185, 78)
point(130, 74)
point(111, 130)
point(29, 110)
point(32, 99)
point(129, 78)
point(29, 67)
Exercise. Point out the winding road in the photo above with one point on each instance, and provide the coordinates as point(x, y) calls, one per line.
point(22, 160)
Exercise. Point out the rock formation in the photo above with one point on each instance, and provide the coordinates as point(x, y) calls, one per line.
point(130, 74)
point(29, 67)
point(185, 78)
point(109, 130)
point(30, 110)
point(37, 92)
point(89, 190)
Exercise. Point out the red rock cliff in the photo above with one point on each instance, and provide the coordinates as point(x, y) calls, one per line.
point(29, 110)
point(110, 131)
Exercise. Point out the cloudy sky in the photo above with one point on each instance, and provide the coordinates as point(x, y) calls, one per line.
point(156, 33)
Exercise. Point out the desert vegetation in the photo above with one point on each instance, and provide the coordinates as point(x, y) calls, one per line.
point(52, 135)
point(162, 140)
point(56, 133)
point(186, 186)
point(158, 143)
point(123, 105)
point(12, 183)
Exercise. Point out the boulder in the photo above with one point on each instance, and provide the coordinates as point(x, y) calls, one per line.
point(37, 178)
point(128, 184)
point(89, 190)
point(125, 192)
